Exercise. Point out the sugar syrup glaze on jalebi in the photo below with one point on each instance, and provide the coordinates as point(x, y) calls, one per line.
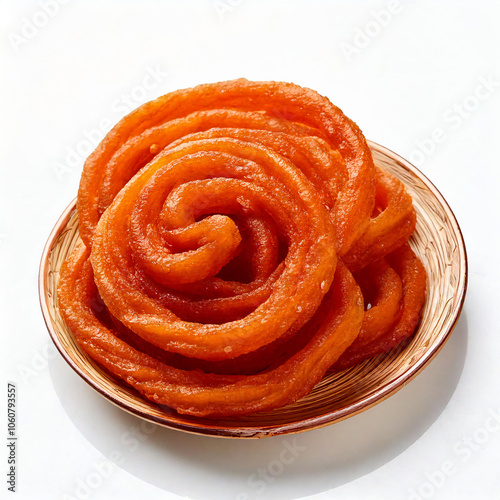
point(238, 242)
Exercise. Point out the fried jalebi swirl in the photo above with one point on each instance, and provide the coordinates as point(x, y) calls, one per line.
point(233, 237)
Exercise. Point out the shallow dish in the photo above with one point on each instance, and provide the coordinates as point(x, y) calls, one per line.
point(437, 241)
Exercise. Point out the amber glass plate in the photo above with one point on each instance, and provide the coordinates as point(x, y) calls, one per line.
point(437, 241)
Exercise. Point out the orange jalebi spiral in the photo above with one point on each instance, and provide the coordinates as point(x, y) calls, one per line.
point(220, 227)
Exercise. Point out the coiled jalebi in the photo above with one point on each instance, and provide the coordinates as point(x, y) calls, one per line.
point(220, 228)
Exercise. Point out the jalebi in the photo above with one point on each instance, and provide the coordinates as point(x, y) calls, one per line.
point(237, 242)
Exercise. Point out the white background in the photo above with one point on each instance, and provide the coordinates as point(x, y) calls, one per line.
point(421, 77)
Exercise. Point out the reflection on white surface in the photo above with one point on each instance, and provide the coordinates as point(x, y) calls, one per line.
point(282, 467)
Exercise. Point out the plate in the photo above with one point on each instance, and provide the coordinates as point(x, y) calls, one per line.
point(437, 241)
